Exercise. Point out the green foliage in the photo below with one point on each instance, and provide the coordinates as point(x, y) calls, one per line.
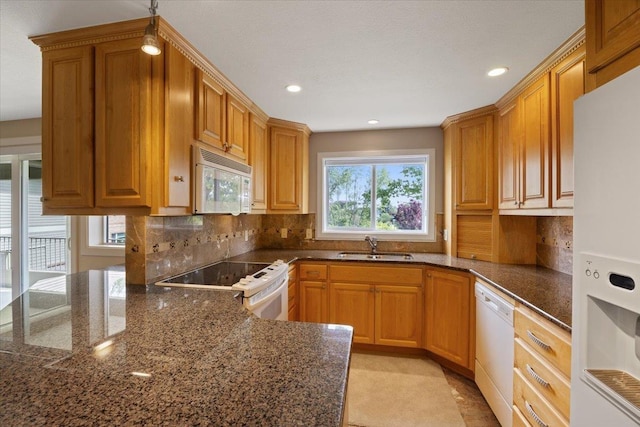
point(350, 191)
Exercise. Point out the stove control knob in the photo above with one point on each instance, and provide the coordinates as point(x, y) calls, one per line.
point(244, 281)
point(596, 275)
point(278, 262)
point(588, 272)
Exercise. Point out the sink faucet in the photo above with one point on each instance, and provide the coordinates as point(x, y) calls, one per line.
point(373, 242)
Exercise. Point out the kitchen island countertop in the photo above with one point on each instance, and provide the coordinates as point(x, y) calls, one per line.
point(161, 356)
point(546, 291)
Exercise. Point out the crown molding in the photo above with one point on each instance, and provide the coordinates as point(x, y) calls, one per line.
point(482, 111)
point(291, 125)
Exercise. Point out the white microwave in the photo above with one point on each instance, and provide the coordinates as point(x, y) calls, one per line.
point(221, 185)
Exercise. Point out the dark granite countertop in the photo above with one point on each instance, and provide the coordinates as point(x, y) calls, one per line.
point(546, 291)
point(105, 354)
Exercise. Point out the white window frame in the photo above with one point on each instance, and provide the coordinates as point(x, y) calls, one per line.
point(429, 202)
point(92, 238)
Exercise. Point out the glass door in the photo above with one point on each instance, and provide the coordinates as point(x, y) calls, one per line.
point(34, 251)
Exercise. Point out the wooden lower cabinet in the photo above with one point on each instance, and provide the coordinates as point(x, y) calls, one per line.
point(353, 304)
point(367, 298)
point(450, 316)
point(292, 293)
point(542, 370)
point(313, 302)
point(399, 315)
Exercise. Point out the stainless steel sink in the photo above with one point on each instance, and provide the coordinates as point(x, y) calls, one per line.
point(382, 256)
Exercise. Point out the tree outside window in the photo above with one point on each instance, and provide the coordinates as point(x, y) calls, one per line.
point(378, 195)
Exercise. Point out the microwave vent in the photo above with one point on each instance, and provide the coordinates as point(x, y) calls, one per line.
point(214, 158)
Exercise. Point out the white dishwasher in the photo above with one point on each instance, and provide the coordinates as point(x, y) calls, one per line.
point(494, 352)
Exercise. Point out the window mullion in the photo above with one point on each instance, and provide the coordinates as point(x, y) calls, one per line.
point(373, 197)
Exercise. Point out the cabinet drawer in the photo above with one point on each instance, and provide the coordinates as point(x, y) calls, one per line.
point(533, 405)
point(519, 419)
point(549, 340)
point(313, 272)
point(387, 275)
point(546, 379)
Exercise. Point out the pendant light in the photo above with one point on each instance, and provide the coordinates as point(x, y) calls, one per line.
point(150, 42)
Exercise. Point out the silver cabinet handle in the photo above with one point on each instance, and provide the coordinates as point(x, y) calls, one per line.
point(537, 377)
point(538, 341)
point(534, 415)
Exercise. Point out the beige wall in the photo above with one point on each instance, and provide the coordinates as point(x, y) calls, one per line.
point(369, 140)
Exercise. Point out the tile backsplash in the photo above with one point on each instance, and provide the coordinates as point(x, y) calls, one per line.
point(554, 243)
point(160, 247)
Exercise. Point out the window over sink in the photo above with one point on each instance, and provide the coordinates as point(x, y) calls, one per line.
point(387, 194)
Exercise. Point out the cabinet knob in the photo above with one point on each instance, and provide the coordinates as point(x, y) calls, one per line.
point(516, 203)
point(428, 274)
point(473, 256)
point(42, 200)
point(179, 178)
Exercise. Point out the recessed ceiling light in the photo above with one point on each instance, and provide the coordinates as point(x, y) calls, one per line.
point(497, 71)
point(373, 122)
point(293, 88)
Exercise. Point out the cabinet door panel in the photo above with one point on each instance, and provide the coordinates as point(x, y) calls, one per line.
point(534, 103)
point(613, 37)
point(67, 133)
point(474, 163)
point(237, 128)
point(285, 170)
point(509, 157)
point(123, 123)
point(353, 304)
point(567, 85)
point(313, 302)
point(448, 316)
point(179, 77)
point(258, 157)
point(211, 105)
point(398, 315)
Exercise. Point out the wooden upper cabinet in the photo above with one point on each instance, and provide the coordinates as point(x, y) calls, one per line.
point(179, 105)
point(67, 128)
point(288, 166)
point(534, 147)
point(567, 85)
point(211, 105)
point(508, 157)
point(612, 37)
point(474, 163)
point(258, 157)
point(122, 124)
point(237, 135)
point(449, 310)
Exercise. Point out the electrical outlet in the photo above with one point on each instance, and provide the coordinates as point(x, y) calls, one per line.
point(445, 234)
point(309, 234)
point(283, 233)
point(246, 235)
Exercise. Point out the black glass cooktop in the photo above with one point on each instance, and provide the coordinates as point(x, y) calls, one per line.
point(224, 273)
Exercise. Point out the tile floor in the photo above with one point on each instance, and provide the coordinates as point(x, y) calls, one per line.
point(474, 409)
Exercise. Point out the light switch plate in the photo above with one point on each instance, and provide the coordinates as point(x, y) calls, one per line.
point(283, 233)
point(309, 234)
point(246, 235)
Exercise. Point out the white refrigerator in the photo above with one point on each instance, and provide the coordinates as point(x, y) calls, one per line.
point(606, 268)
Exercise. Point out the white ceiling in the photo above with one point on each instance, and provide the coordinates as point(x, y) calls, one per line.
point(405, 63)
